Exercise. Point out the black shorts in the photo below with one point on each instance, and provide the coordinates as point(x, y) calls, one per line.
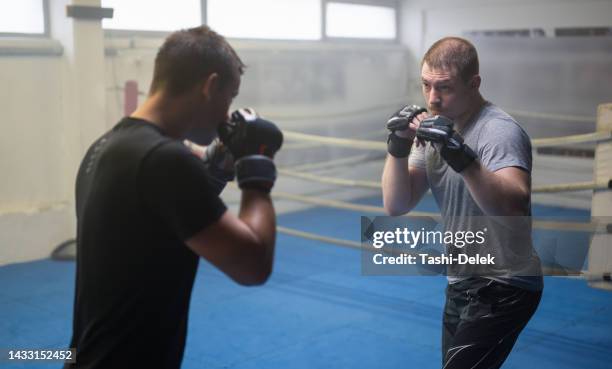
point(482, 320)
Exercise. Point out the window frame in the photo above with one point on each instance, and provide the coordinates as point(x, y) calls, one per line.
point(394, 4)
point(46, 26)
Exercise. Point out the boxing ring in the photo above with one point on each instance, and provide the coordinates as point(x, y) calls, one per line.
point(599, 264)
point(318, 310)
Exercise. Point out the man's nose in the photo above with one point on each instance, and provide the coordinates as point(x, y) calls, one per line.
point(433, 97)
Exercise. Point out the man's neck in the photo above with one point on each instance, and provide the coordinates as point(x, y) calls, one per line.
point(164, 112)
point(474, 108)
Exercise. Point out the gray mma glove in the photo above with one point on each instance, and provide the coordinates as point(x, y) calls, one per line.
point(397, 146)
point(218, 160)
point(439, 130)
point(253, 142)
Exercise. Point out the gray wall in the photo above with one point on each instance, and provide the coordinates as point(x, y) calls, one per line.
point(60, 94)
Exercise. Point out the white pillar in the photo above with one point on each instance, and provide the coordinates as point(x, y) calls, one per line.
point(83, 87)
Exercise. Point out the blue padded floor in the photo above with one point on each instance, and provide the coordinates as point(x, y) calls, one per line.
point(318, 311)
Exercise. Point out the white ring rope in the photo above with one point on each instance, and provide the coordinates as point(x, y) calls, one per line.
point(335, 204)
point(562, 187)
point(577, 186)
point(332, 163)
point(331, 180)
point(309, 145)
point(594, 137)
point(356, 245)
point(316, 237)
point(359, 246)
point(346, 142)
point(548, 116)
point(395, 103)
point(337, 241)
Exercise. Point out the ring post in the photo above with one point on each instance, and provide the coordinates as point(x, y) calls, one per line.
point(600, 252)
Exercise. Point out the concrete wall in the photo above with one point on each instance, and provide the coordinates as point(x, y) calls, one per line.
point(557, 76)
point(52, 108)
point(34, 190)
point(60, 94)
point(58, 104)
point(284, 80)
point(424, 21)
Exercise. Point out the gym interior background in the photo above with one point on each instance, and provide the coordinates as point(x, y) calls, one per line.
point(324, 68)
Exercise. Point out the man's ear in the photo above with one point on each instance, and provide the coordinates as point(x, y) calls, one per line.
point(475, 82)
point(210, 86)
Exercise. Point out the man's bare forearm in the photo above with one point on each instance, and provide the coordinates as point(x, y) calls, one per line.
point(396, 186)
point(502, 193)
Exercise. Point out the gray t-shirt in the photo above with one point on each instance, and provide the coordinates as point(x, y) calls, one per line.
point(499, 142)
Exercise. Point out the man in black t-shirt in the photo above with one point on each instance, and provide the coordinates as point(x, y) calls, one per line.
point(148, 208)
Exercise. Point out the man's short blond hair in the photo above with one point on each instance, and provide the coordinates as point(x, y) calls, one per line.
point(453, 54)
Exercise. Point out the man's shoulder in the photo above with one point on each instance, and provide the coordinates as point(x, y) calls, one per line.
point(134, 139)
point(138, 132)
point(496, 122)
point(125, 147)
point(170, 156)
point(496, 115)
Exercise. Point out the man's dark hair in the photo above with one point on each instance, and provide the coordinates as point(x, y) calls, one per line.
point(188, 56)
point(453, 54)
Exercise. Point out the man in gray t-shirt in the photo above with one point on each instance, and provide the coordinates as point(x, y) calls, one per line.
point(498, 142)
point(476, 160)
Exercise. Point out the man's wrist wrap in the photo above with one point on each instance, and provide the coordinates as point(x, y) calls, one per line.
point(256, 172)
point(397, 146)
point(458, 158)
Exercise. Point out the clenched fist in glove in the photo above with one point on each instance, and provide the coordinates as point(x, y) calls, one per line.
point(439, 130)
point(253, 141)
point(218, 160)
point(398, 144)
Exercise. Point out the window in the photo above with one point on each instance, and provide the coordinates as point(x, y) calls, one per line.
point(267, 19)
point(23, 16)
point(146, 15)
point(360, 21)
point(260, 19)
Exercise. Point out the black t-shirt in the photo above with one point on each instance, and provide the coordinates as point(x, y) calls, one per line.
point(139, 196)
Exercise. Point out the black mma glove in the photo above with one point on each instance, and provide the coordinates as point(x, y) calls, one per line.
point(439, 130)
point(219, 162)
point(253, 141)
point(399, 147)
